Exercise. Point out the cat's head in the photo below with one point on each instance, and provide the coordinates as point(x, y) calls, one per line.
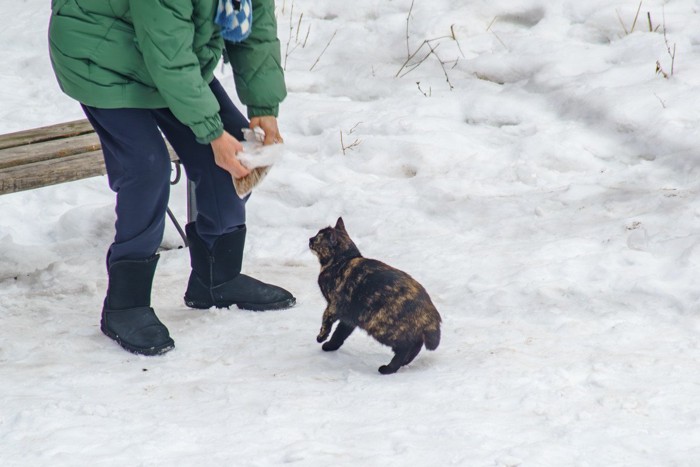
point(331, 242)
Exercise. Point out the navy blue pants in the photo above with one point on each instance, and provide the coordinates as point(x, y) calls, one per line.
point(139, 168)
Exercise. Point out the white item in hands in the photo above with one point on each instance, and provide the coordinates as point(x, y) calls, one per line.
point(256, 158)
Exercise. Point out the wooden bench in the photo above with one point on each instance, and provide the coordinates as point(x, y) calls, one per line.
point(61, 153)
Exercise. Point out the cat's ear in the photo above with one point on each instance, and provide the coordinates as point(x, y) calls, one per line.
point(333, 237)
point(340, 224)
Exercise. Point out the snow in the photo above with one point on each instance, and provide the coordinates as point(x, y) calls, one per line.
point(547, 202)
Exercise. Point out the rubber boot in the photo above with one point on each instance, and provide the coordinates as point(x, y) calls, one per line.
point(127, 316)
point(216, 278)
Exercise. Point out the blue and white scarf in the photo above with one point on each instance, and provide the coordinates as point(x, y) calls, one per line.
point(235, 18)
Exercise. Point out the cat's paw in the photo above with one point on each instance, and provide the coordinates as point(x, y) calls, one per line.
point(321, 337)
point(330, 346)
point(386, 370)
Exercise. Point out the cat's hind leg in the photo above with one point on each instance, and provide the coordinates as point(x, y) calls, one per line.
point(413, 353)
point(400, 355)
point(342, 331)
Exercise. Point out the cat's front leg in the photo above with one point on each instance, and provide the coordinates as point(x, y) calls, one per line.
point(329, 317)
point(342, 332)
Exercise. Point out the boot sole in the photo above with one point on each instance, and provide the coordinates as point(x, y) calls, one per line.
point(290, 302)
point(149, 352)
point(198, 305)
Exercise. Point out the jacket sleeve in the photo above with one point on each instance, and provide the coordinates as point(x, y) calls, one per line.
point(256, 63)
point(165, 34)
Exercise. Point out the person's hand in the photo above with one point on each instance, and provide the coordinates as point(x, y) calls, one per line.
point(225, 148)
point(268, 124)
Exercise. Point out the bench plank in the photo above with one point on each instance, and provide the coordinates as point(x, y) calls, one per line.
point(52, 149)
point(51, 172)
point(65, 168)
point(46, 133)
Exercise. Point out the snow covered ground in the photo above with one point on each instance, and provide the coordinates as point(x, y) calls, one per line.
point(541, 183)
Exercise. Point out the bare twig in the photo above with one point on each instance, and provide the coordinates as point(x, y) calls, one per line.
point(298, 26)
point(663, 104)
point(634, 22)
point(488, 29)
point(426, 94)
point(409, 58)
point(454, 37)
point(323, 51)
point(407, 66)
point(499, 40)
point(292, 45)
point(408, 22)
point(622, 23)
point(352, 130)
point(415, 65)
point(413, 55)
point(673, 59)
point(442, 65)
point(493, 21)
point(306, 38)
point(289, 40)
point(671, 53)
point(352, 145)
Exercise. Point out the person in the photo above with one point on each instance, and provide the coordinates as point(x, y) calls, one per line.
point(144, 69)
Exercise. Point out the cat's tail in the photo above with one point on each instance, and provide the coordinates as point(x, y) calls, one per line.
point(431, 337)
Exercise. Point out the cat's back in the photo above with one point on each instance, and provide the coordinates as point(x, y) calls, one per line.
point(373, 274)
point(375, 283)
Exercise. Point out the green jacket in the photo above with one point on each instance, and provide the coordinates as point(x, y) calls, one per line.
point(162, 53)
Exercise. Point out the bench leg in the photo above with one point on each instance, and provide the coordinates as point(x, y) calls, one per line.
point(191, 202)
point(177, 226)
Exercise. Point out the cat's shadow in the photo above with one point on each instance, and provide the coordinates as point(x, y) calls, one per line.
point(364, 359)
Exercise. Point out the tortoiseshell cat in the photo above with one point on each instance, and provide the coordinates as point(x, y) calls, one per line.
point(387, 303)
